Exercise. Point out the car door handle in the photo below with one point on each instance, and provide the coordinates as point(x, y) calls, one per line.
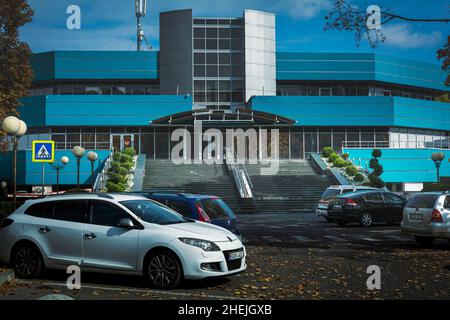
point(44, 230)
point(90, 236)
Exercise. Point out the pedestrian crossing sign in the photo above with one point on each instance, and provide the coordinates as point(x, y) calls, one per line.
point(43, 151)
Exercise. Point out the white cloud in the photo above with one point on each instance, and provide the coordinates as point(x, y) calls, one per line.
point(402, 35)
point(303, 9)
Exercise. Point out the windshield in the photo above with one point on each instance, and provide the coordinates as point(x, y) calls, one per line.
point(423, 201)
point(330, 193)
point(153, 212)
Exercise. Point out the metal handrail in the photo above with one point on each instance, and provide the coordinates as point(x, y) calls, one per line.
point(240, 175)
point(391, 144)
point(100, 180)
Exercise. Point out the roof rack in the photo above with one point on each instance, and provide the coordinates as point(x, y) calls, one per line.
point(68, 195)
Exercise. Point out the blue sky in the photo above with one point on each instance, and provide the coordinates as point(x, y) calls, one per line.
point(110, 25)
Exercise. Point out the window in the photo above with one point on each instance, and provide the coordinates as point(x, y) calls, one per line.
point(41, 210)
point(199, 58)
point(224, 85)
point(392, 198)
point(92, 90)
point(224, 44)
point(325, 91)
point(199, 85)
point(199, 44)
point(224, 71)
point(224, 33)
point(216, 208)
point(211, 58)
point(236, 44)
point(422, 201)
point(373, 197)
point(153, 212)
point(74, 211)
point(211, 44)
point(236, 33)
point(224, 58)
point(199, 71)
point(181, 207)
point(211, 71)
point(199, 32)
point(211, 33)
point(105, 214)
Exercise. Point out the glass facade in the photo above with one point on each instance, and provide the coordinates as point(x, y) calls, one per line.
point(218, 63)
point(294, 143)
point(350, 88)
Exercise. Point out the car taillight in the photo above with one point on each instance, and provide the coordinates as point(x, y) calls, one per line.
point(6, 222)
point(350, 202)
point(202, 214)
point(436, 216)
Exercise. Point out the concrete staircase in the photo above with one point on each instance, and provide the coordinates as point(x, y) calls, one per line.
point(296, 187)
point(191, 178)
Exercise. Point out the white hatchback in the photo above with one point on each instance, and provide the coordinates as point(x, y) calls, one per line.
point(117, 233)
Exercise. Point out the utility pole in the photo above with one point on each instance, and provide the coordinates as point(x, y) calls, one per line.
point(141, 9)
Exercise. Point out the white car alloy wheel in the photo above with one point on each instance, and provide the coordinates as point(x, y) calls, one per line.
point(163, 270)
point(366, 220)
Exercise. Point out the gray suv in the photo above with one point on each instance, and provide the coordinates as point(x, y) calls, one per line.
point(426, 216)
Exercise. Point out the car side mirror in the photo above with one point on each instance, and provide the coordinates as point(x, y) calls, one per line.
point(126, 223)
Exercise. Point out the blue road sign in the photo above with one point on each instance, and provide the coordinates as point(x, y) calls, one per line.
point(43, 151)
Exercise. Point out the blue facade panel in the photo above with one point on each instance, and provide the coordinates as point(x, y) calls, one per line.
point(358, 67)
point(66, 65)
point(30, 173)
point(357, 111)
point(403, 165)
point(90, 110)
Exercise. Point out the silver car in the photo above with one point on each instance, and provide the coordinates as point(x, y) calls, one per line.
point(426, 216)
point(117, 234)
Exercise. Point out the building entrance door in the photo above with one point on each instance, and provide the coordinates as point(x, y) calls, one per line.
point(120, 142)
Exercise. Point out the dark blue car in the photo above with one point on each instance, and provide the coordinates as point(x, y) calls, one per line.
point(199, 207)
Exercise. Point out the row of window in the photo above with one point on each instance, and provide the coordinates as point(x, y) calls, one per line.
point(233, 22)
point(218, 44)
point(218, 58)
point(218, 71)
point(218, 85)
point(215, 33)
point(97, 90)
point(97, 212)
point(213, 96)
point(350, 90)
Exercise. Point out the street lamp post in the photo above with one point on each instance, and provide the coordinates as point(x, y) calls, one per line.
point(15, 128)
point(92, 156)
point(437, 158)
point(78, 152)
point(59, 166)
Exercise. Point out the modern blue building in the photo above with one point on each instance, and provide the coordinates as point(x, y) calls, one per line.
point(226, 72)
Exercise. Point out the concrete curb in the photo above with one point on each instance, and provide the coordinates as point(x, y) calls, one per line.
point(6, 276)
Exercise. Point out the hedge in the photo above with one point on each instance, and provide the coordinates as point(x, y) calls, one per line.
point(359, 177)
point(333, 157)
point(327, 151)
point(130, 152)
point(351, 170)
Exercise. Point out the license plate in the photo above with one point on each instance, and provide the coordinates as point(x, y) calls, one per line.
point(416, 216)
point(236, 255)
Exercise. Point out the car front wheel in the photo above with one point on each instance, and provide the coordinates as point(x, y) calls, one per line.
point(163, 270)
point(27, 262)
point(365, 220)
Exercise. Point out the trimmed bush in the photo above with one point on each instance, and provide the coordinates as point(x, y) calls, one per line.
point(345, 156)
point(115, 187)
point(116, 178)
point(376, 153)
point(340, 163)
point(351, 170)
point(327, 152)
point(359, 177)
point(115, 166)
point(373, 163)
point(126, 158)
point(333, 157)
point(127, 165)
point(375, 181)
point(117, 156)
point(130, 152)
point(123, 171)
point(378, 170)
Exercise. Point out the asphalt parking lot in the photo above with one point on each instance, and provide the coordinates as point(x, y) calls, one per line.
point(290, 256)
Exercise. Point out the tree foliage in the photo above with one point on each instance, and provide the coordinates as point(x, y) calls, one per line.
point(444, 55)
point(15, 70)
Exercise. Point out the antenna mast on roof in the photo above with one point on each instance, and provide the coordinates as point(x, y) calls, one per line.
point(141, 10)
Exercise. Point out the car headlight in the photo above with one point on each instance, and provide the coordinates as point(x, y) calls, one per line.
point(202, 244)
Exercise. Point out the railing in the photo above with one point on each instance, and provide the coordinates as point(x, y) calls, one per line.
point(100, 180)
point(395, 144)
point(240, 175)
